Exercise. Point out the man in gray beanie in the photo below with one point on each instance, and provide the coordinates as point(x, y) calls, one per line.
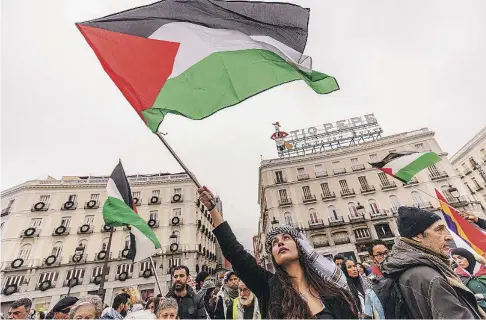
point(420, 262)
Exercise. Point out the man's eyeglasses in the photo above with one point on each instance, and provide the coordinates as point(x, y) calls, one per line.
point(381, 254)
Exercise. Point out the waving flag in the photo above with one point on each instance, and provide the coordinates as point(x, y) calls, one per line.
point(463, 229)
point(404, 165)
point(118, 211)
point(196, 57)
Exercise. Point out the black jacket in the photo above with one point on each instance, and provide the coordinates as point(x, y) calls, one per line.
point(261, 282)
point(191, 306)
point(219, 310)
point(481, 223)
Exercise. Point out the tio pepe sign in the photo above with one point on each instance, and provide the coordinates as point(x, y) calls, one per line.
point(330, 127)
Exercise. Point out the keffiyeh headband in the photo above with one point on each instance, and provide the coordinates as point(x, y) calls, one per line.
point(324, 267)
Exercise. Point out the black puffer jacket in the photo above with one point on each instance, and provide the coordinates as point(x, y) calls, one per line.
point(191, 306)
point(263, 283)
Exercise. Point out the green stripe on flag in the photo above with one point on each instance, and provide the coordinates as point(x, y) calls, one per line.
point(427, 159)
point(117, 213)
point(226, 78)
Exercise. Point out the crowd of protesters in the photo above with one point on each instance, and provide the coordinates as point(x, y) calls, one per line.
point(421, 277)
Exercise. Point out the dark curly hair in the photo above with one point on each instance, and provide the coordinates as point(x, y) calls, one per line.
point(292, 306)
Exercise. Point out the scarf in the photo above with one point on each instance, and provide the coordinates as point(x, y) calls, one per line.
point(414, 254)
point(324, 267)
point(240, 311)
point(229, 294)
point(468, 255)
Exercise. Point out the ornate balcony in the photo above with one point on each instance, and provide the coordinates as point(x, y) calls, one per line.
point(301, 177)
point(336, 221)
point(358, 167)
point(388, 186)
point(328, 196)
point(320, 174)
point(285, 202)
point(280, 180)
point(319, 223)
point(368, 189)
point(357, 218)
point(438, 176)
point(348, 193)
point(339, 171)
point(309, 198)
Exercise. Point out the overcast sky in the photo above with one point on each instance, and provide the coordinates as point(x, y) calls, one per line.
point(412, 63)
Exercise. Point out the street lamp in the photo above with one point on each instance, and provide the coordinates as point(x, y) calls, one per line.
point(360, 209)
point(172, 240)
point(78, 255)
point(454, 192)
point(274, 222)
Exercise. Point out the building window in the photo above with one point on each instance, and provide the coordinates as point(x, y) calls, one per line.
point(154, 215)
point(300, 171)
point(362, 233)
point(94, 196)
point(336, 165)
point(469, 187)
point(25, 251)
point(178, 191)
point(104, 244)
point(127, 242)
point(482, 151)
point(383, 178)
point(383, 230)
point(155, 193)
point(476, 184)
point(44, 199)
point(178, 234)
point(333, 215)
point(83, 243)
point(434, 171)
point(353, 212)
point(325, 189)
point(57, 249)
point(288, 218)
point(364, 183)
point(419, 146)
point(88, 220)
point(51, 276)
point(279, 177)
point(78, 273)
point(344, 186)
point(374, 206)
point(136, 194)
point(10, 203)
point(417, 199)
point(395, 203)
point(283, 195)
point(307, 192)
point(72, 197)
point(473, 162)
point(177, 212)
point(128, 268)
point(313, 215)
point(35, 222)
point(318, 168)
point(354, 161)
point(65, 221)
point(373, 157)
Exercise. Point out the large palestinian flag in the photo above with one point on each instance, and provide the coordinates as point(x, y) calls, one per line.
point(196, 57)
point(404, 165)
point(118, 211)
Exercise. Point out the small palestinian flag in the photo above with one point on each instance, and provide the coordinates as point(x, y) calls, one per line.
point(196, 57)
point(118, 211)
point(404, 165)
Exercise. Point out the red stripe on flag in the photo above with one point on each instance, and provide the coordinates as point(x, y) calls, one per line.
point(138, 66)
point(134, 206)
point(474, 235)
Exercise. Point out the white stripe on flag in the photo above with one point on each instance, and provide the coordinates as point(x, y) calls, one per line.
point(143, 246)
point(112, 190)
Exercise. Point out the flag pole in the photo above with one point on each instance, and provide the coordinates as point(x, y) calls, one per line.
point(176, 157)
point(101, 291)
point(155, 274)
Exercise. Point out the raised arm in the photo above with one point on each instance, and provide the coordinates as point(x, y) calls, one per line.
point(253, 275)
